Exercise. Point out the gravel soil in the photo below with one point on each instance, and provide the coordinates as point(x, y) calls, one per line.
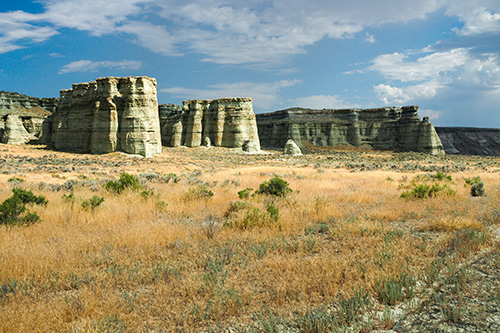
point(469, 301)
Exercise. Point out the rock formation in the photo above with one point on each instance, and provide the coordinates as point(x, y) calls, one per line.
point(250, 146)
point(32, 112)
point(227, 122)
point(291, 148)
point(14, 132)
point(109, 114)
point(470, 141)
point(390, 128)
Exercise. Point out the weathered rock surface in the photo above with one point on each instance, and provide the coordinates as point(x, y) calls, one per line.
point(470, 141)
point(390, 128)
point(171, 116)
point(227, 122)
point(291, 148)
point(109, 114)
point(250, 146)
point(32, 112)
point(14, 132)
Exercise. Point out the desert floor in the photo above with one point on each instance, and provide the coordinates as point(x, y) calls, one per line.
point(363, 241)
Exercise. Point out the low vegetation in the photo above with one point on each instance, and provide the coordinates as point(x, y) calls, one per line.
point(14, 210)
point(183, 242)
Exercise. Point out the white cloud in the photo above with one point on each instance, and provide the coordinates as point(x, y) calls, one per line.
point(370, 38)
point(238, 32)
point(99, 17)
point(234, 32)
point(401, 95)
point(323, 102)
point(265, 95)
point(16, 29)
point(396, 67)
point(91, 66)
point(432, 114)
point(457, 69)
point(153, 37)
point(479, 17)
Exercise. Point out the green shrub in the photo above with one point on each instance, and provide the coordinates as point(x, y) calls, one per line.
point(16, 180)
point(13, 211)
point(93, 202)
point(69, 198)
point(126, 181)
point(477, 189)
point(199, 192)
point(275, 187)
point(235, 207)
point(243, 194)
point(171, 177)
point(428, 186)
point(470, 181)
point(442, 176)
point(273, 211)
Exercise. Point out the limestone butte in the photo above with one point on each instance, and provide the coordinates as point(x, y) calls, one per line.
point(389, 128)
point(226, 122)
point(109, 114)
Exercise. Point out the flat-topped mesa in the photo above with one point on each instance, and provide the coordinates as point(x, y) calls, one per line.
point(109, 114)
point(226, 122)
point(389, 128)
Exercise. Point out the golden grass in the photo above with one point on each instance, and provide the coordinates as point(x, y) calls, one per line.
point(134, 265)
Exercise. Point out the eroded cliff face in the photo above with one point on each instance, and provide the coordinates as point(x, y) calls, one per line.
point(31, 113)
point(390, 128)
point(109, 114)
point(470, 140)
point(226, 122)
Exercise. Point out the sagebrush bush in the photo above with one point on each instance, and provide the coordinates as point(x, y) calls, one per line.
point(428, 186)
point(126, 181)
point(199, 192)
point(13, 211)
point(477, 189)
point(243, 194)
point(275, 187)
point(92, 203)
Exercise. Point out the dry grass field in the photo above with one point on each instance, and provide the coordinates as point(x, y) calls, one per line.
point(183, 252)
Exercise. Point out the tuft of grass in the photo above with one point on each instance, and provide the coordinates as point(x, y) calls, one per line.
point(392, 290)
point(468, 241)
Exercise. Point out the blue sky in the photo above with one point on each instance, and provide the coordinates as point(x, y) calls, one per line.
point(443, 55)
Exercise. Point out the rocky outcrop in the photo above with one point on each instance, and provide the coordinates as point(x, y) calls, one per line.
point(470, 140)
point(226, 122)
point(32, 112)
point(291, 148)
point(14, 132)
point(390, 128)
point(109, 114)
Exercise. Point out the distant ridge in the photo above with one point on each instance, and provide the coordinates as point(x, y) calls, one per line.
point(470, 140)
